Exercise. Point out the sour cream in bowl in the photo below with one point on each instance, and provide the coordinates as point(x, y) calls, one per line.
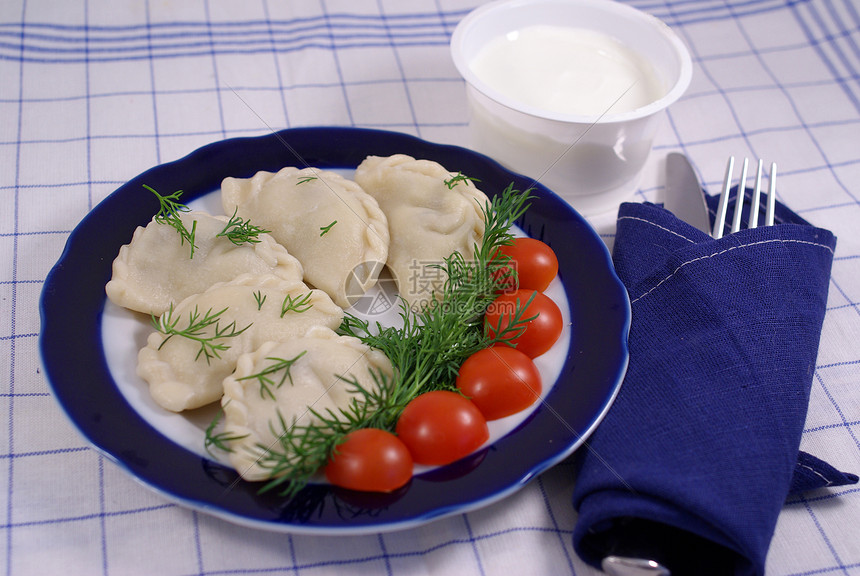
point(569, 92)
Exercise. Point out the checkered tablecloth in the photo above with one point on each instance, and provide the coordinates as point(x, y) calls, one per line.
point(94, 92)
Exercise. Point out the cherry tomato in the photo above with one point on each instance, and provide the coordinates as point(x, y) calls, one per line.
point(540, 333)
point(370, 460)
point(500, 381)
point(535, 262)
point(440, 427)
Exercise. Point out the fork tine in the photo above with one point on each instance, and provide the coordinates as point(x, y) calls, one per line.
point(739, 197)
point(720, 219)
point(755, 204)
point(771, 196)
point(755, 198)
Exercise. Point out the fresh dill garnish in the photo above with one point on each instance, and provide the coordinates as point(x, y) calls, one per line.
point(240, 231)
point(299, 304)
point(306, 179)
point(263, 376)
point(426, 353)
point(205, 330)
point(168, 213)
point(220, 440)
point(459, 177)
point(260, 298)
point(302, 449)
point(325, 229)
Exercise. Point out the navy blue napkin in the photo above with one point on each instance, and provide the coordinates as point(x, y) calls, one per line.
point(694, 460)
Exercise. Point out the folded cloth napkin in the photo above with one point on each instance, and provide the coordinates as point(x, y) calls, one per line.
point(695, 458)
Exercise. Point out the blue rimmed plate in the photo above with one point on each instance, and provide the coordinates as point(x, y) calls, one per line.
point(82, 369)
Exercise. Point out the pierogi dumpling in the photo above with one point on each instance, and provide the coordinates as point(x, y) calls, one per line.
point(156, 268)
point(431, 214)
point(184, 373)
point(333, 227)
point(322, 366)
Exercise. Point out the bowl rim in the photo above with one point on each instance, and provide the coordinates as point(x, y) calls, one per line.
point(673, 94)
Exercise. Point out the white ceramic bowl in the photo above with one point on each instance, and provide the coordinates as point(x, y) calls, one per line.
point(592, 161)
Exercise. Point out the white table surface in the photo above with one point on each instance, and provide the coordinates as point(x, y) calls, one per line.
point(94, 92)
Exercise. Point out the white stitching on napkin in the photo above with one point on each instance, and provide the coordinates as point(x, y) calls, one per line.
point(676, 270)
point(658, 226)
point(827, 481)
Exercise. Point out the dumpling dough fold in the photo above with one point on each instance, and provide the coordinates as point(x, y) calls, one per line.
point(431, 214)
point(156, 269)
point(333, 227)
point(320, 377)
point(180, 377)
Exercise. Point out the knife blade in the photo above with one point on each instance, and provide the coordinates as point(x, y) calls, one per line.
point(684, 196)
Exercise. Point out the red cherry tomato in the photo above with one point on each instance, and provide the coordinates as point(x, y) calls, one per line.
point(500, 381)
point(440, 427)
point(535, 263)
point(540, 333)
point(370, 460)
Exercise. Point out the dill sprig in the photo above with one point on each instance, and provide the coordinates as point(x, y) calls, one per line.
point(499, 216)
point(426, 353)
point(240, 231)
point(206, 330)
point(260, 298)
point(168, 213)
point(219, 440)
point(303, 448)
point(264, 376)
point(325, 229)
point(298, 304)
point(456, 179)
point(429, 348)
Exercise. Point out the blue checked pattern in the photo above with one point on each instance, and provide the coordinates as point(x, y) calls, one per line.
point(94, 92)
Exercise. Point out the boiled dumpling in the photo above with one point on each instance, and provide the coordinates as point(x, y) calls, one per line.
point(184, 374)
point(156, 268)
point(431, 214)
point(328, 222)
point(321, 367)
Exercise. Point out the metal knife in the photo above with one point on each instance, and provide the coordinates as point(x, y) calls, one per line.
point(684, 196)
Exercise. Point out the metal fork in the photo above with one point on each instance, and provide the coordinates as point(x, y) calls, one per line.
point(722, 207)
